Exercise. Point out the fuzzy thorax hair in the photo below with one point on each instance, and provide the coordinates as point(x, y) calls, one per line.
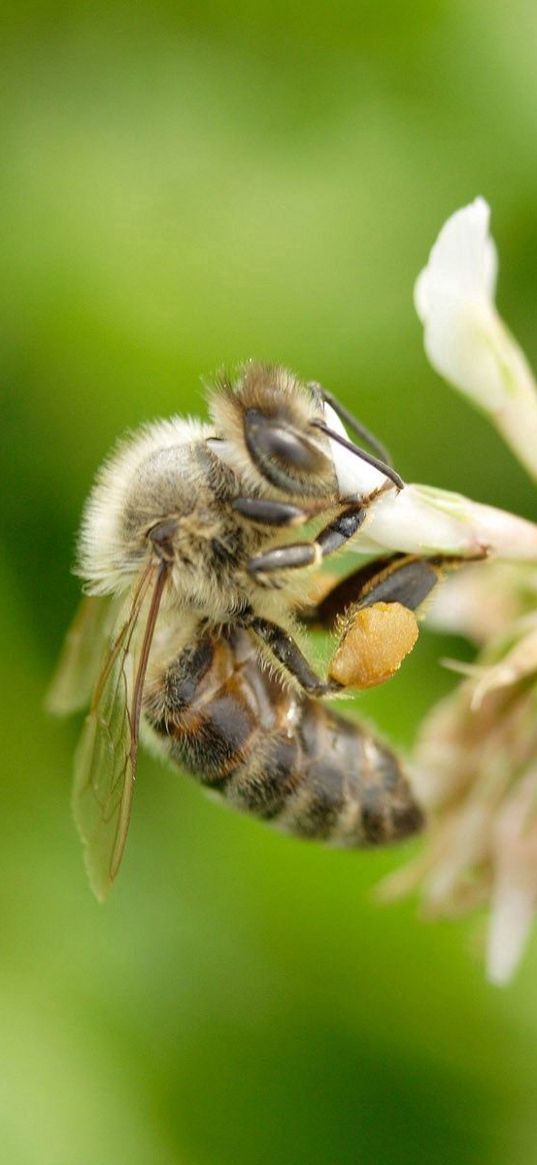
point(136, 485)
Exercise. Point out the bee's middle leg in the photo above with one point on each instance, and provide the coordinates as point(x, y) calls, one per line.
point(286, 650)
point(296, 555)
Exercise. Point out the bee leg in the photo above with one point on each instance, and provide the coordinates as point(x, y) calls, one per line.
point(400, 578)
point(288, 653)
point(300, 554)
point(264, 512)
point(374, 612)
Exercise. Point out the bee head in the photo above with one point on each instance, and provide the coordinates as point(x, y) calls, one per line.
point(267, 419)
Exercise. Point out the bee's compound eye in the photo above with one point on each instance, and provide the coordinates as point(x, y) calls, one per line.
point(272, 439)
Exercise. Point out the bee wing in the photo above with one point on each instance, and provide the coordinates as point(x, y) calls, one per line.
point(105, 761)
point(81, 655)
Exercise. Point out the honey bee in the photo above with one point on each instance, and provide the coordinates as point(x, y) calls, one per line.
point(193, 630)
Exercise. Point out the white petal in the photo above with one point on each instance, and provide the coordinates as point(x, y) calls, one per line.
point(356, 478)
point(477, 603)
point(512, 917)
point(514, 894)
point(423, 520)
point(464, 337)
point(463, 261)
point(521, 661)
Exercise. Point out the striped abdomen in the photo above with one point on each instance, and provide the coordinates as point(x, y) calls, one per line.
point(289, 759)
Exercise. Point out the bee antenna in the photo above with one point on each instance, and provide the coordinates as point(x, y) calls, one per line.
point(376, 462)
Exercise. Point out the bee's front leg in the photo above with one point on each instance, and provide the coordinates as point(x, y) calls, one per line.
point(266, 512)
point(374, 612)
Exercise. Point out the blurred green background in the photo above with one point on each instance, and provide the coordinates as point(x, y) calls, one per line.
point(184, 187)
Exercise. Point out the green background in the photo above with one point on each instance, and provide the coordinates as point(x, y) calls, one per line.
point(184, 187)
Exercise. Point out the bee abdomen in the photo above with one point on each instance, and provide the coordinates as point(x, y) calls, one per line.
point(330, 781)
point(289, 760)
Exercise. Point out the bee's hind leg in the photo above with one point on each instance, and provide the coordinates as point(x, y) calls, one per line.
point(374, 613)
point(400, 578)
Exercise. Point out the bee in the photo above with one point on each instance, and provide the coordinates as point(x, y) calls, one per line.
point(193, 630)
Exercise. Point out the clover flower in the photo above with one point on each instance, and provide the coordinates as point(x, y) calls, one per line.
point(475, 760)
point(465, 339)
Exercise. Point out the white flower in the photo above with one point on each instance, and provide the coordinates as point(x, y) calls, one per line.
point(479, 604)
point(425, 520)
point(475, 762)
point(464, 337)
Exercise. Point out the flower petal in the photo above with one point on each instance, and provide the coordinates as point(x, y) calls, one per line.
point(424, 520)
point(464, 337)
point(463, 262)
point(514, 894)
point(356, 477)
point(481, 603)
point(513, 909)
point(520, 662)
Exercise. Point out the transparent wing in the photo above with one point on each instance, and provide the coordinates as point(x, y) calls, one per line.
point(105, 761)
point(81, 655)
